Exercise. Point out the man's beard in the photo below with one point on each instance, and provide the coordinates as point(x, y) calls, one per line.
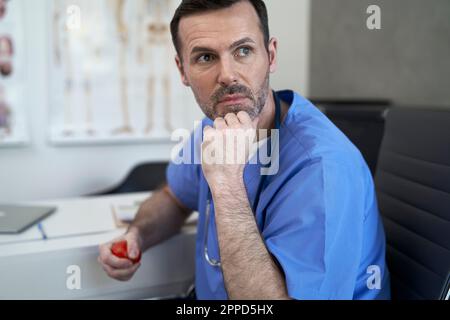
point(258, 101)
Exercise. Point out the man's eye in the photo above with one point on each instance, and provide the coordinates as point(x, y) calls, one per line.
point(205, 58)
point(243, 52)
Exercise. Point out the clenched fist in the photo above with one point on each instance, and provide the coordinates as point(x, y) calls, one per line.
point(227, 147)
point(121, 269)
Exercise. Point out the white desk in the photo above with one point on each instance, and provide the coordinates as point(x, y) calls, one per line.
point(33, 268)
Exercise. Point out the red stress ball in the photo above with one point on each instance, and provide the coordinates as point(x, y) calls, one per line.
point(120, 250)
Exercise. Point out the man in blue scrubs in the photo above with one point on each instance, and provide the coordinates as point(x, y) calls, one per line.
point(307, 229)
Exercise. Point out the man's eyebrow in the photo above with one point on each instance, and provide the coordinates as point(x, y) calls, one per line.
point(242, 41)
point(200, 49)
point(232, 46)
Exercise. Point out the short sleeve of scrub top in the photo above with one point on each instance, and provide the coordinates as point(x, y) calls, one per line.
point(183, 177)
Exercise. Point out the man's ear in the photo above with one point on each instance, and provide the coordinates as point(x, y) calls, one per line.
point(181, 70)
point(273, 44)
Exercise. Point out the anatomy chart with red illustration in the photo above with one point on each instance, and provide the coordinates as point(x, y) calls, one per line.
point(112, 73)
point(12, 67)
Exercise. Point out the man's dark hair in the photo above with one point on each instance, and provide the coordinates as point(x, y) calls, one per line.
point(190, 7)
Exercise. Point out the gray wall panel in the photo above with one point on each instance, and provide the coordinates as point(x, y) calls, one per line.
point(408, 60)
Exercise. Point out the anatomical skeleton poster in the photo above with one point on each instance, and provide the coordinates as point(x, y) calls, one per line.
point(112, 72)
point(13, 130)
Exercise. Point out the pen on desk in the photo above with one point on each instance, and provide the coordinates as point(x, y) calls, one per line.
point(41, 229)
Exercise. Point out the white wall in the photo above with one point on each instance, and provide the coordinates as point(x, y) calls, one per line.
point(290, 24)
point(42, 171)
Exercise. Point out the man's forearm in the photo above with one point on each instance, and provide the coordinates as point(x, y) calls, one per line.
point(248, 268)
point(159, 218)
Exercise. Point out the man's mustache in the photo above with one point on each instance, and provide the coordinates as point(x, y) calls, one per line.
point(233, 89)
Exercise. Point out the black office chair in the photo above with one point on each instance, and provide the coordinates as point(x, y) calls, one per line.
point(143, 177)
point(413, 188)
point(362, 121)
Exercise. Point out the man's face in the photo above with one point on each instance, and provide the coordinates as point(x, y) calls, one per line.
point(224, 60)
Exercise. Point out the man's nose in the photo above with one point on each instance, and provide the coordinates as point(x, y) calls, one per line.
point(227, 74)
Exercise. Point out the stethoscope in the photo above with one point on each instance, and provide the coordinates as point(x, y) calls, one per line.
point(214, 262)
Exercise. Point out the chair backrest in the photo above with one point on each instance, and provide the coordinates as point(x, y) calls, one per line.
point(413, 189)
point(362, 122)
point(143, 177)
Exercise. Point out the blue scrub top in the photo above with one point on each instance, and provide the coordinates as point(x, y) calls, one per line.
point(318, 215)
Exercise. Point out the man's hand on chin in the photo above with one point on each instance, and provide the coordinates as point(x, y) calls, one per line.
point(226, 149)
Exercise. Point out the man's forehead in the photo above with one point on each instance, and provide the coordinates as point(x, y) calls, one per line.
point(224, 26)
